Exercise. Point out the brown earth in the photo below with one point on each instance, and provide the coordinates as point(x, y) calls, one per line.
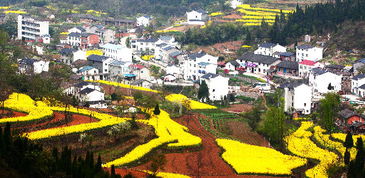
point(238, 108)
point(203, 163)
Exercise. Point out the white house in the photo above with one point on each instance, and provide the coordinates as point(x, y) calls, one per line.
point(75, 89)
point(199, 64)
point(217, 85)
point(297, 98)
point(108, 36)
point(140, 71)
point(257, 63)
point(117, 52)
point(358, 85)
point(307, 52)
point(144, 45)
point(143, 21)
point(268, 49)
point(76, 30)
point(235, 3)
point(94, 98)
point(89, 73)
point(306, 66)
point(174, 70)
point(33, 66)
point(198, 17)
point(118, 69)
point(79, 55)
point(324, 82)
point(101, 63)
point(31, 29)
point(232, 65)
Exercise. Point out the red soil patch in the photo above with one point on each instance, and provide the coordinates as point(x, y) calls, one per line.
point(238, 108)
point(124, 172)
point(203, 163)
point(58, 117)
point(13, 113)
point(244, 133)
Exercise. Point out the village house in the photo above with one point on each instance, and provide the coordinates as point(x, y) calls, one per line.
point(67, 55)
point(217, 85)
point(73, 90)
point(285, 56)
point(287, 68)
point(32, 29)
point(307, 52)
point(89, 73)
point(144, 45)
point(358, 85)
point(268, 49)
point(174, 71)
point(350, 120)
point(140, 71)
point(232, 65)
point(117, 52)
point(235, 3)
point(83, 40)
point(198, 17)
point(297, 98)
point(199, 64)
point(76, 30)
point(101, 63)
point(92, 98)
point(306, 66)
point(256, 63)
point(118, 69)
point(143, 21)
point(32, 66)
point(107, 36)
point(142, 83)
point(79, 55)
point(358, 64)
point(324, 82)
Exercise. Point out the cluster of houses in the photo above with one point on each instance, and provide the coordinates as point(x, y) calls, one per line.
point(99, 53)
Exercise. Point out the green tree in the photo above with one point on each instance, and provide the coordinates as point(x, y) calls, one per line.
point(203, 93)
point(327, 111)
point(274, 125)
point(349, 142)
point(347, 157)
point(157, 110)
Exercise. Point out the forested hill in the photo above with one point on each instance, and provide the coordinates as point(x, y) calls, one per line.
point(133, 7)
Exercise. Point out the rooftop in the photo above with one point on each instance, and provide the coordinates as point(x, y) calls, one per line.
point(308, 62)
point(266, 45)
point(97, 58)
point(288, 64)
point(112, 46)
point(359, 76)
point(209, 76)
point(249, 56)
point(304, 46)
point(86, 68)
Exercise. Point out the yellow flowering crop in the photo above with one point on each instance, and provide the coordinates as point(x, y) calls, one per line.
point(4, 7)
point(246, 46)
point(147, 57)
point(255, 20)
point(95, 52)
point(179, 98)
point(124, 85)
point(64, 33)
point(299, 143)
point(15, 12)
point(167, 130)
point(139, 152)
point(325, 141)
point(23, 103)
point(248, 159)
point(258, 17)
point(248, 7)
point(342, 137)
point(216, 14)
point(105, 121)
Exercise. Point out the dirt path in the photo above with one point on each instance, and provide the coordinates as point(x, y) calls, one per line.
point(245, 134)
point(238, 108)
point(203, 163)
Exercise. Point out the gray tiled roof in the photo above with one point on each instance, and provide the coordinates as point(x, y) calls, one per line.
point(249, 56)
point(289, 65)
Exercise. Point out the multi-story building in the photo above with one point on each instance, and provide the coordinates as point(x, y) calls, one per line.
point(358, 85)
point(324, 82)
point(307, 52)
point(297, 98)
point(83, 40)
point(117, 52)
point(198, 17)
point(257, 63)
point(268, 49)
point(199, 64)
point(217, 85)
point(32, 29)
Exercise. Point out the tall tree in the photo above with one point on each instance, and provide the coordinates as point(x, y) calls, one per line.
point(157, 111)
point(203, 93)
point(327, 111)
point(349, 142)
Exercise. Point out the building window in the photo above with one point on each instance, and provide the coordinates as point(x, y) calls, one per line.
point(213, 90)
point(305, 104)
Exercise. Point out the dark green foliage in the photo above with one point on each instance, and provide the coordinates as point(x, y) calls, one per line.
point(203, 93)
point(157, 110)
point(349, 142)
point(28, 159)
point(347, 157)
point(327, 106)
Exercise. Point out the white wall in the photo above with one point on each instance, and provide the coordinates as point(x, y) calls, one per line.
point(218, 87)
point(312, 54)
point(320, 83)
